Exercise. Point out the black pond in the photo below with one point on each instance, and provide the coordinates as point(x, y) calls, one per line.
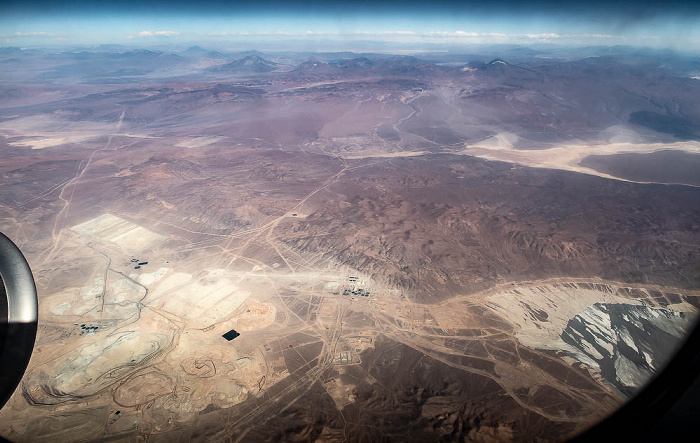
point(230, 335)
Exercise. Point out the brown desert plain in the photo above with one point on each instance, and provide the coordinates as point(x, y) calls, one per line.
point(410, 250)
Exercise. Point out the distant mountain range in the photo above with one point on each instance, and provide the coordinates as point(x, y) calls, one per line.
point(198, 51)
point(252, 64)
point(395, 65)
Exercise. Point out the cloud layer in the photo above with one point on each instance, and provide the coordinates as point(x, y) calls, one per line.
point(146, 33)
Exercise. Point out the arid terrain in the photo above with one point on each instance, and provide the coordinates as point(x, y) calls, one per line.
point(482, 247)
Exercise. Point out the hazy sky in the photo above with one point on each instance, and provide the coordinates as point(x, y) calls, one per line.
point(36, 22)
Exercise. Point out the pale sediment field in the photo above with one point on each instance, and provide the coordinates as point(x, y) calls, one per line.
point(198, 142)
point(623, 335)
point(567, 156)
point(119, 233)
point(560, 302)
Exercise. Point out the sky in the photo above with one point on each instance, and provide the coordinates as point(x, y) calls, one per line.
point(672, 23)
